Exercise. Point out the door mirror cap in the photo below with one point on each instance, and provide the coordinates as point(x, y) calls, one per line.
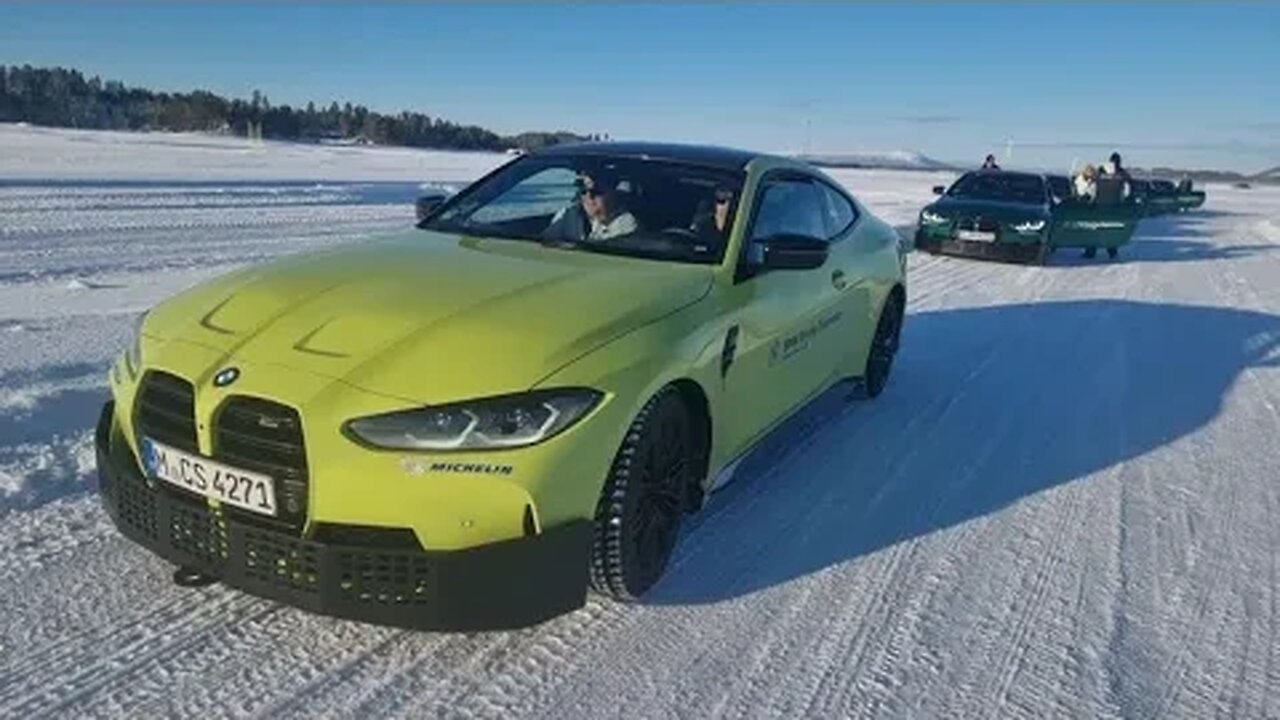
point(427, 203)
point(939, 189)
point(792, 252)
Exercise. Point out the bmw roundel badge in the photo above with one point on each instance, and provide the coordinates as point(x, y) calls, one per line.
point(226, 376)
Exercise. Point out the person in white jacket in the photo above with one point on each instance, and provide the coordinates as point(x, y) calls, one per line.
point(1086, 183)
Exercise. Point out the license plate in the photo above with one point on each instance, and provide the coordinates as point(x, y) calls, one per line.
point(244, 489)
point(975, 236)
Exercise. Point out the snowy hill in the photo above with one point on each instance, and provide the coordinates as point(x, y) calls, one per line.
point(896, 160)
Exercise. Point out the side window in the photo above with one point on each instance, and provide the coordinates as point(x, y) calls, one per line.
point(838, 212)
point(542, 193)
point(790, 206)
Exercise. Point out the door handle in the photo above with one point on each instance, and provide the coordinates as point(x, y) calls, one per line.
point(837, 279)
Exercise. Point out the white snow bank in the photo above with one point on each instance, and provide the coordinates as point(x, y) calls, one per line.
point(28, 152)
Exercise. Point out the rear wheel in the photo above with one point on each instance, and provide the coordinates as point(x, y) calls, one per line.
point(642, 504)
point(1113, 252)
point(1091, 253)
point(884, 347)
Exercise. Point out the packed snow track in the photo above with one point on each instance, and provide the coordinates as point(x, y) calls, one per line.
point(1066, 503)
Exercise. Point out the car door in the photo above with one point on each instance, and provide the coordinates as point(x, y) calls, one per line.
point(786, 320)
point(1083, 223)
point(861, 259)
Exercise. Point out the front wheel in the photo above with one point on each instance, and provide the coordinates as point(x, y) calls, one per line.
point(641, 507)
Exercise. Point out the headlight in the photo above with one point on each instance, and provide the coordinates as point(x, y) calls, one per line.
point(500, 422)
point(932, 218)
point(133, 353)
point(1029, 226)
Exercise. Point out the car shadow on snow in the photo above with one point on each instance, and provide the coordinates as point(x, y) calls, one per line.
point(987, 406)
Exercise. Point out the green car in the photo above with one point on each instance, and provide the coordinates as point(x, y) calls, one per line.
point(1020, 216)
point(1188, 197)
point(1162, 197)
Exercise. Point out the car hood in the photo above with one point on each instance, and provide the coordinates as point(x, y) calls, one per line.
point(429, 317)
point(994, 209)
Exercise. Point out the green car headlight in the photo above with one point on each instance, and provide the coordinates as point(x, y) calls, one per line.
point(1030, 226)
point(932, 218)
point(489, 423)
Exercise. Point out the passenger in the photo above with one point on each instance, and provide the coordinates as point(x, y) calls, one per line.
point(1115, 169)
point(990, 163)
point(714, 224)
point(1086, 183)
point(597, 215)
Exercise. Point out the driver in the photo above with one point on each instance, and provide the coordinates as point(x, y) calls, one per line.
point(598, 215)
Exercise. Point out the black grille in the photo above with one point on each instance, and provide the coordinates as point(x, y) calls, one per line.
point(136, 508)
point(979, 224)
point(265, 437)
point(196, 532)
point(166, 411)
point(366, 536)
point(390, 579)
point(273, 559)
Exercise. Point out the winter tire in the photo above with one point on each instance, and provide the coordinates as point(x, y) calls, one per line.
point(642, 504)
point(884, 347)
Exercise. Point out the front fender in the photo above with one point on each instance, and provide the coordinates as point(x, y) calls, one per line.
point(687, 345)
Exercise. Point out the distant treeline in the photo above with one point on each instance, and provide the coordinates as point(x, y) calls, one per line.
point(61, 97)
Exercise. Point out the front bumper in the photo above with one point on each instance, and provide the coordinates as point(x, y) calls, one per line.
point(1006, 251)
point(501, 585)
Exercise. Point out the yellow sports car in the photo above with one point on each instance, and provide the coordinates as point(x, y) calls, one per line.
point(470, 424)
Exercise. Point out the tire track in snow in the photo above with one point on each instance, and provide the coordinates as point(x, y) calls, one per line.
point(54, 680)
point(1236, 290)
point(1066, 506)
point(872, 648)
point(885, 665)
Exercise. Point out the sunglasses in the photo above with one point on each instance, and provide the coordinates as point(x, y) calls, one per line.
point(723, 196)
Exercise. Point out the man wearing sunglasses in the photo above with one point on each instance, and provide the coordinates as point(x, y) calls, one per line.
point(598, 215)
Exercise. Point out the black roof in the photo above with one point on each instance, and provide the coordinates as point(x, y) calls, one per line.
point(711, 155)
point(1007, 173)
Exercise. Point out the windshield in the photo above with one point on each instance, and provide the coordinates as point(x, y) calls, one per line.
point(1060, 185)
point(658, 209)
point(1009, 187)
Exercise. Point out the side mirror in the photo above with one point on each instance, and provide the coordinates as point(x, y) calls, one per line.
point(938, 189)
point(792, 252)
point(425, 204)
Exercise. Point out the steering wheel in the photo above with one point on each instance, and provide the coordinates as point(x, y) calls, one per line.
point(680, 232)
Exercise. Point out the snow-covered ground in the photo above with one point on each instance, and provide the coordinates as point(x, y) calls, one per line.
point(29, 152)
point(1067, 502)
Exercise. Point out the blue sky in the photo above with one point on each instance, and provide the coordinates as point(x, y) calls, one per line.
point(1176, 83)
